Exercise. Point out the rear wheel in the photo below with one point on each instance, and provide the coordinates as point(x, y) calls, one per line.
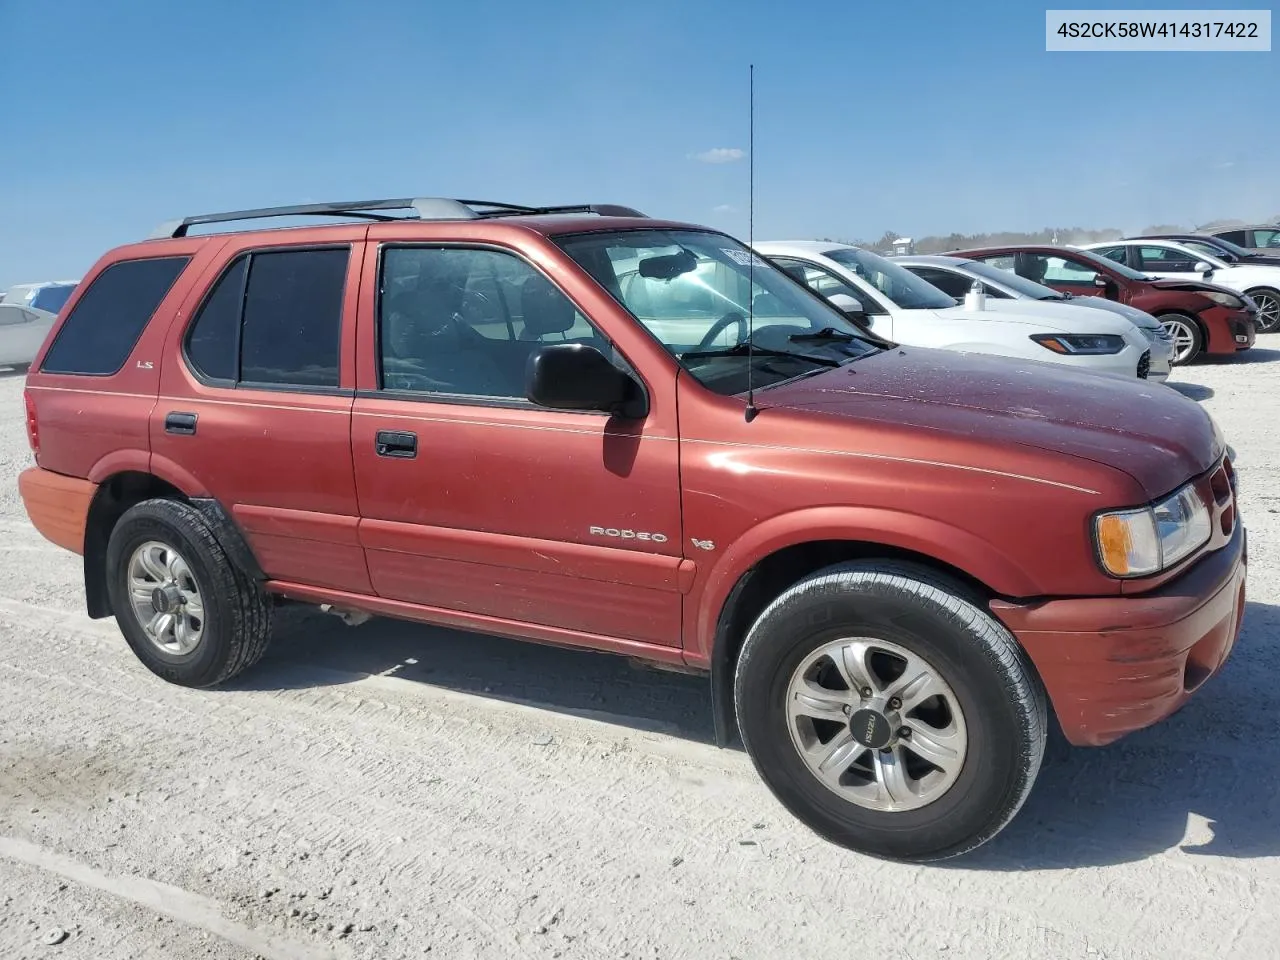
point(1268, 301)
point(889, 712)
point(1188, 340)
point(188, 612)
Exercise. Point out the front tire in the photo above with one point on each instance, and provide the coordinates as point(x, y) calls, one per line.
point(1268, 301)
point(1188, 339)
point(890, 713)
point(188, 612)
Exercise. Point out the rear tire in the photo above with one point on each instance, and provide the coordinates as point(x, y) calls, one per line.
point(1268, 301)
point(188, 612)
point(1188, 338)
point(890, 802)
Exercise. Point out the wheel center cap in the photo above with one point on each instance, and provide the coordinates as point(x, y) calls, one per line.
point(166, 598)
point(871, 728)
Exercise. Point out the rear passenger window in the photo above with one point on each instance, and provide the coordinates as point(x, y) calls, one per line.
point(293, 317)
point(273, 318)
point(101, 331)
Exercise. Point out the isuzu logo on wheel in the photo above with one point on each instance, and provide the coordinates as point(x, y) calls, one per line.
point(628, 534)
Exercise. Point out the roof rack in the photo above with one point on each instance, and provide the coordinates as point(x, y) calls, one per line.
point(422, 208)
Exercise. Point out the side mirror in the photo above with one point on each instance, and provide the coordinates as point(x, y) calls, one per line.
point(1204, 268)
point(849, 306)
point(575, 376)
point(1101, 281)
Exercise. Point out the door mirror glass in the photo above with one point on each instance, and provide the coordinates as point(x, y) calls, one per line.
point(575, 376)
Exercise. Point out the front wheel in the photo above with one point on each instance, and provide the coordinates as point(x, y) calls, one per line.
point(1268, 302)
point(889, 712)
point(1188, 341)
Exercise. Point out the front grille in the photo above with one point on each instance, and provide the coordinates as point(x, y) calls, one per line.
point(1144, 365)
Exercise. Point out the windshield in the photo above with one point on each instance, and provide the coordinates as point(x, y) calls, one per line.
point(1007, 278)
point(900, 285)
point(1209, 245)
point(692, 291)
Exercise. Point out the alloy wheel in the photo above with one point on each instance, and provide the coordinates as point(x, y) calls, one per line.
point(876, 724)
point(1268, 311)
point(1184, 339)
point(166, 598)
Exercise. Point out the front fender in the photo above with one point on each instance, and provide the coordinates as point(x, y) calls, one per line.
point(961, 549)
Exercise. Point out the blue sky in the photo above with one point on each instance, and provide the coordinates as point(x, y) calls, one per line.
point(916, 117)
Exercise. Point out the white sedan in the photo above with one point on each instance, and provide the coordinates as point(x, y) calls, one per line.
point(22, 330)
point(955, 275)
point(1170, 258)
point(901, 307)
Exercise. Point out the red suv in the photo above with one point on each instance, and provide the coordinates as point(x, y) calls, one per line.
point(587, 427)
point(1202, 318)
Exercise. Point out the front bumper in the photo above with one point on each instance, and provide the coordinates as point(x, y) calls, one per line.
point(1113, 665)
point(1228, 330)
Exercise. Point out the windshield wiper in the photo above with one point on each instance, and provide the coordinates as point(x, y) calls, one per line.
point(741, 350)
point(826, 333)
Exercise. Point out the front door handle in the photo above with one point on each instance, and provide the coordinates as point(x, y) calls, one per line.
point(396, 443)
point(181, 423)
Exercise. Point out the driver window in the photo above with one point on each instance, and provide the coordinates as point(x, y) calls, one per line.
point(463, 322)
point(1166, 260)
point(1060, 270)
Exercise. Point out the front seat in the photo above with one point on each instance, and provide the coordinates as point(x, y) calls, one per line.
point(1033, 267)
point(439, 351)
point(544, 310)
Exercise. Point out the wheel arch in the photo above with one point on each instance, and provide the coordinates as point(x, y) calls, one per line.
point(977, 569)
point(120, 490)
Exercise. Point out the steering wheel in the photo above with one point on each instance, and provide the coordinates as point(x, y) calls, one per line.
point(720, 326)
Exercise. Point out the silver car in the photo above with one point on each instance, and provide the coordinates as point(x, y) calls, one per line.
point(955, 276)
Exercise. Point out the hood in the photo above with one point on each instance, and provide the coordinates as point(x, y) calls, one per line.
point(1196, 286)
point(1149, 431)
point(1072, 316)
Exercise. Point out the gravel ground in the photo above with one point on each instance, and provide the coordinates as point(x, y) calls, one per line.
point(393, 791)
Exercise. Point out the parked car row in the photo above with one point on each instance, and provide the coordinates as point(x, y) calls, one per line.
point(900, 305)
point(1202, 318)
point(897, 565)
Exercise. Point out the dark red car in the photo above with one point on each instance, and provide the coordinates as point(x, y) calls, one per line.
point(1201, 317)
point(601, 430)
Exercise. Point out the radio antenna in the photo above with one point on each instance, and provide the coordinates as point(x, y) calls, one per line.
point(751, 238)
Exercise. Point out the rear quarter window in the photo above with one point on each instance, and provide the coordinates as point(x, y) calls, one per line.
point(103, 327)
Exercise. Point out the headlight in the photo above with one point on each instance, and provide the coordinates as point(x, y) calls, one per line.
point(1080, 343)
point(1222, 299)
point(1138, 543)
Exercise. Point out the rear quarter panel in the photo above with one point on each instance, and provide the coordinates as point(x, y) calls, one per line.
point(93, 426)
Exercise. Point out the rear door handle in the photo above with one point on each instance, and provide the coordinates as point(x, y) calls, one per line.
point(183, 423)
point(394, 443)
